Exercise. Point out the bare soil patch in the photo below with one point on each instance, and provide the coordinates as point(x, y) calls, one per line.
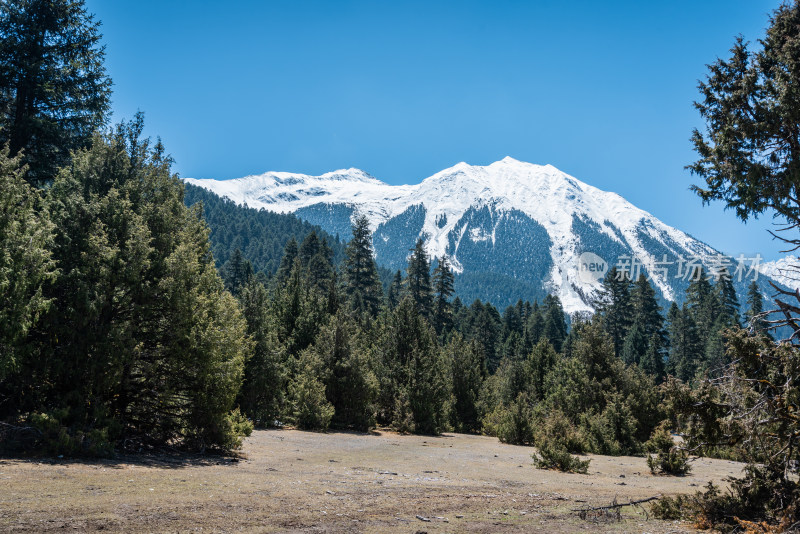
point(292, 481)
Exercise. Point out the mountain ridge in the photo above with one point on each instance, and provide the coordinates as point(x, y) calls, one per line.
point(494, 219)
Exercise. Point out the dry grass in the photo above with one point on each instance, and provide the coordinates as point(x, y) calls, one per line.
point(290, 481)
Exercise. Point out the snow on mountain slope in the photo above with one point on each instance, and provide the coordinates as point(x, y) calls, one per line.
point(483, 217)
point(785, 270)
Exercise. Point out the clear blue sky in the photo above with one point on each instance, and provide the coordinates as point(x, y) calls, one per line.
point(601, 90)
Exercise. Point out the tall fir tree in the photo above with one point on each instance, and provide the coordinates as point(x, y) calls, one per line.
point(614, 307)
point(754, 315)
point(418, 279)
point(290, 253)
point(362, 286)
point(395, 290)
point(54, 91)
point(443, 281)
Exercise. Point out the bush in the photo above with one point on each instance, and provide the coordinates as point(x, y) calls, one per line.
point(512, 424)
point(311, 409)
point(556, 438)
point(555, 456)
point(671, 508)
point(664, 457)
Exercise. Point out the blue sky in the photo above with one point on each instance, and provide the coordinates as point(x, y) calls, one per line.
point(601, 90)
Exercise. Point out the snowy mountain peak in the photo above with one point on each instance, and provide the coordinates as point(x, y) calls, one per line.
point(510, 221)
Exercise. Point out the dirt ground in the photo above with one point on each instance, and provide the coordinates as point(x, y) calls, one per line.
point(292, 481)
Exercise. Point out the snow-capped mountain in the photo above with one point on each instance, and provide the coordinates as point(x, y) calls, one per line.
point(785, 270)
point(511, 229)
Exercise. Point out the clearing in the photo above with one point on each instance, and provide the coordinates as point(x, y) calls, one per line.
point(292, 481)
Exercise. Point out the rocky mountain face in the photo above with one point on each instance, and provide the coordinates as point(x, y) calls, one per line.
point(511, 229)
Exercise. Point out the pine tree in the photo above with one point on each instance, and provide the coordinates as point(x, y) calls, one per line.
point(350, 385)
point(467, 374)
point(636, 343)
point(753, 317)
point(555, 324)
point(262, 397)
point(418, 279)
point(26, 264)
point(685, 348)
point(287, 261)
point(395, 290)
point(614, 307)
point(702, 303)
point(443, 289)
point(144, 338)
point(54, 91)
point(361, 283)
point(725, 294)
point(237, 272)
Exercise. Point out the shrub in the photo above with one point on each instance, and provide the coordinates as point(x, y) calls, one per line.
point(664, 457)
point(671, 508)
point(555, 456)
point(512, 424)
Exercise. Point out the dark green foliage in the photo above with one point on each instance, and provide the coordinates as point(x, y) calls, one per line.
point(236, 272)
point(262, 237)
point(554, 457)
point(442, 318)
point(664, 457)
point(467, 375)
point(350, 385)
point(671, 508)
point(685, 346)
point(362, 286)
point(556, 439)
point(750, 408)
point(555, 323)
point(418, 279)
point(144, 341)
point(26, 236)
point(263, 394)
point(749, 103)
point(414, 387)
point(310, 408)
point(54, 92)
point(395, 290)
point(614, 307)
point(754, 315)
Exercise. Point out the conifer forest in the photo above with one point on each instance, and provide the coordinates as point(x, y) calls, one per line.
point(140, 315)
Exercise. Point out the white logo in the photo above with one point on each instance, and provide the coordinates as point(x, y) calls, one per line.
point(591, 268)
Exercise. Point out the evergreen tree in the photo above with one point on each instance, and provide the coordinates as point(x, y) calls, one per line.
point(467, 374)
point(144, 338)
point(702, 303)
point(443, 289)
point(262, 397)
point(361, 283)
point(725, 295)
point(646, 309)
point(25, 266)
point(418, 278)
point(309, 248)
point(754, 317)
point(685, 347)
point(290, 253)
point(54, 92)
point(237, 272)
point(350, 385)
point(395, 290)
point(414, 386)
point(614, 307)
point(636, 343)
point(555, 324)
